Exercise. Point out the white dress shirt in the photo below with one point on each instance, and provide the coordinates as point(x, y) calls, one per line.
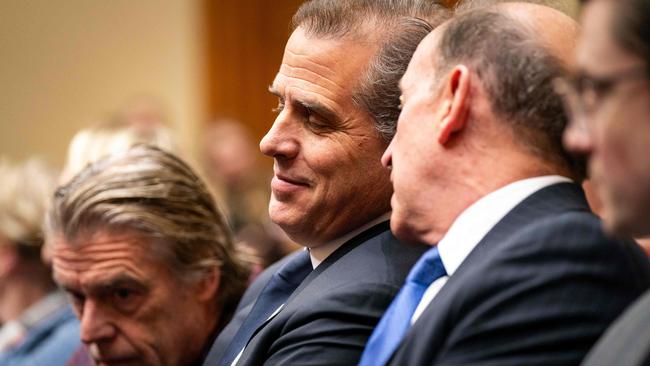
point(319, 253)
point(474, 223)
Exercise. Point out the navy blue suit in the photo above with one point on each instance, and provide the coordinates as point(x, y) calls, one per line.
point(329, 317)
point(539, 289)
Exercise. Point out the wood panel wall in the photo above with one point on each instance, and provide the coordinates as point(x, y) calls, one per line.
point(246, 40)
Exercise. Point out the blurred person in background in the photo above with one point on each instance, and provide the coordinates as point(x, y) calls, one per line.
point(608, 97)
point(39, 328)
point(112, 136)
point(231, 162)
point(145, 257)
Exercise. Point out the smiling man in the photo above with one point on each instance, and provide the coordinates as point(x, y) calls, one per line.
point(145, 258)
point(337, 108)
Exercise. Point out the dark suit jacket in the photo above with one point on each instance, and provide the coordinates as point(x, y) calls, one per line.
point(329, 317)
point(627, 341)
point(539, 289)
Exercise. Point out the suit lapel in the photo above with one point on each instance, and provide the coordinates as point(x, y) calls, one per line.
point(332, 258)
point(552, 200)
point(338, 253)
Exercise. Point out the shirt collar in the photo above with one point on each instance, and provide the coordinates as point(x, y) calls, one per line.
point(319, 253)
point(477, 220)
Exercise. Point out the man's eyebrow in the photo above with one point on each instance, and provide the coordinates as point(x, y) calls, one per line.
point(119, 280)
point(321, 110)
point(312, 106)
point(108, 284)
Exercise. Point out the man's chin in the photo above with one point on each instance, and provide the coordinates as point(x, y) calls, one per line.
point(120, 362)
point(618, 222)
point(286, 218)
point(402, 230)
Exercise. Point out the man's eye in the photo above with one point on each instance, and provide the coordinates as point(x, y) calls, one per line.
point(123, 294)
point(77, 301)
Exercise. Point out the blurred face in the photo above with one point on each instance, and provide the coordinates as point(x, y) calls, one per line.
point(133, 310)
point(411, 152)
point(614, 128)
point(8, 262)
point(328, 177)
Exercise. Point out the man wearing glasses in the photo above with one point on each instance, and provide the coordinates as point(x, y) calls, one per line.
point(609, 100)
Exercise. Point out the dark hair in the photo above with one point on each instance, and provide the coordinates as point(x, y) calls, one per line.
point(400, 25)
point(631, 28)
point(154, 194)
point(516, 71)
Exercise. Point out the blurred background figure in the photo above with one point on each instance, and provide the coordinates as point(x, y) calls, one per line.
point(39, 328)
point(231, 160)
point(112, 136)
point(145, 112)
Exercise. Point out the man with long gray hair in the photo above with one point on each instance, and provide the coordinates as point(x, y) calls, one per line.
point(146, 259)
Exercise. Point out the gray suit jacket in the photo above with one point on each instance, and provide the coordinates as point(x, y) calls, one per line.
point(627, 341)
point(539, 289)
point(329, 317)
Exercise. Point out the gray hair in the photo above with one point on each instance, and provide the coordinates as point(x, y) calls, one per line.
point(400, 25)
point(154, 194)
point(516, 71)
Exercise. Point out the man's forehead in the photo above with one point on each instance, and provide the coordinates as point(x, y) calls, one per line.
point(331, 60)
point(98, 253)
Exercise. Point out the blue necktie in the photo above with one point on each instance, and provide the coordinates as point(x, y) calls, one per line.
point(275, 293)
point(397, 319)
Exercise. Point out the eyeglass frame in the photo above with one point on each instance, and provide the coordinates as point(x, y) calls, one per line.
point(574, 89)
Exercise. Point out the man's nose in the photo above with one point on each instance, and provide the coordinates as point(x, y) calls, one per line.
point(387, 157)
point(95, 324)
point(282, 141)
point(577, 137)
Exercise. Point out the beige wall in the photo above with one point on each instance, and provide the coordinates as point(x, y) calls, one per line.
point(67, 63)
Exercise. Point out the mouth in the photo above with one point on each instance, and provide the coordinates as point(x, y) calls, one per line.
point(117, 361)
point(291, 180)
point(284, 186)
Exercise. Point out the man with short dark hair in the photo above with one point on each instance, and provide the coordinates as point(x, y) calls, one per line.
point(146, 259)
point(337, 108)
point(520, 272)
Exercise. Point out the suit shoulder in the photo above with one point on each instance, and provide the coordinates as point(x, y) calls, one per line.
point(381, 259)
point(577, 236)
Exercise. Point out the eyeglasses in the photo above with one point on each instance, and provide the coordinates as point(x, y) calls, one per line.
point(583, 93)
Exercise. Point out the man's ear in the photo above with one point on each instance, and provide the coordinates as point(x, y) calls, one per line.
point(455, 105)
point(208, 286)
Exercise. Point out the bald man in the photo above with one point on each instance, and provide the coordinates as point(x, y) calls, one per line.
point(519, 272)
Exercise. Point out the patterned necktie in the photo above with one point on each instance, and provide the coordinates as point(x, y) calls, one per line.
point(396, 321)
point(275, 293)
